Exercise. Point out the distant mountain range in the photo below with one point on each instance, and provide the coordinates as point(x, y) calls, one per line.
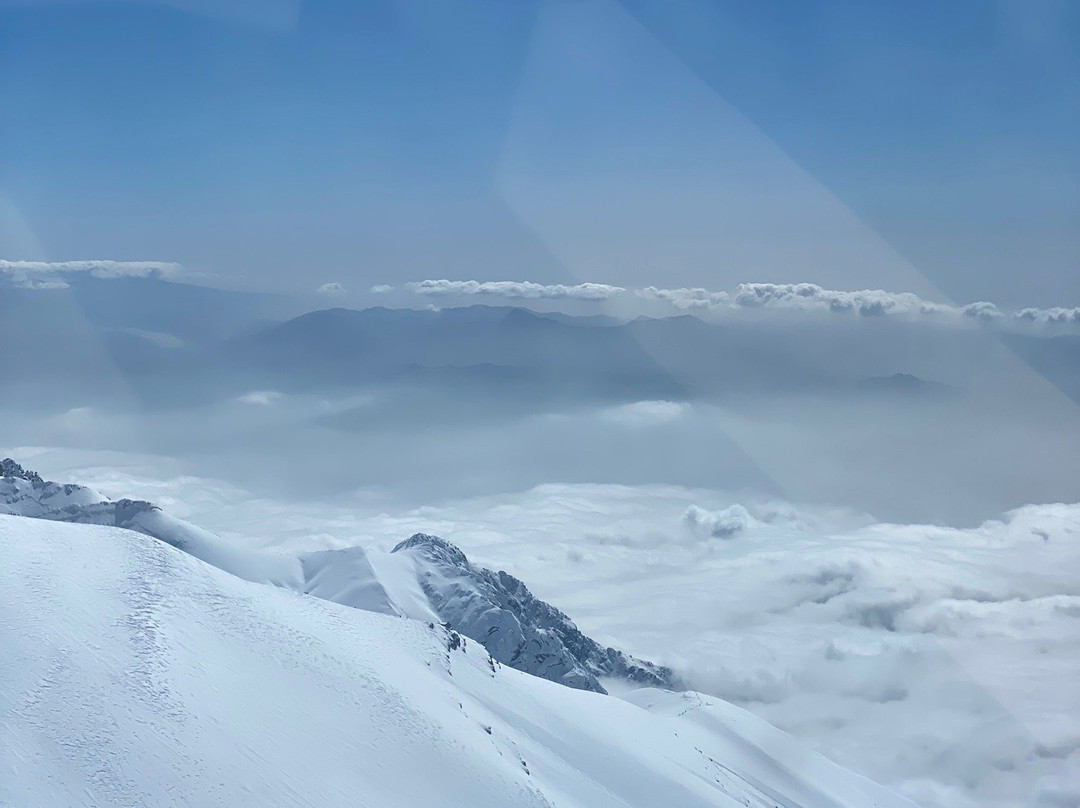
point(174, 344)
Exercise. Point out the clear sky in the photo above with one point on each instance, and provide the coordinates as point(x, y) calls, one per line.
point(916, 146)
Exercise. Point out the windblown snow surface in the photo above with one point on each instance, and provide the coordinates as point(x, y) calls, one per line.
point(134, 674)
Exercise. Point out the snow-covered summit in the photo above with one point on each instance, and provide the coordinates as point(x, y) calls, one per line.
point(517, 628)
point(435, 548)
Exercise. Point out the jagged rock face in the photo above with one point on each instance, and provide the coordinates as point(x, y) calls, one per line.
point(9, 468)
point(517, 628)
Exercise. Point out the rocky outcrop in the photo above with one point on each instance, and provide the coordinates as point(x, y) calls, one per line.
point(517, 628)
point(9, 468)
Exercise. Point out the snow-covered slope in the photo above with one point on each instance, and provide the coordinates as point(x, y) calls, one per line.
point(430, 579)
point(343, 576)
point(135, 674)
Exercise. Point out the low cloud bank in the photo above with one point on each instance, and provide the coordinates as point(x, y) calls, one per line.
point(798, 297)
point(260, 398)
point(810, 296)
point(516, 289)
point(684, 298)
point(49, 274)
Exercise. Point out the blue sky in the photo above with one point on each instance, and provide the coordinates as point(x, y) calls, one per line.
point(924, 146)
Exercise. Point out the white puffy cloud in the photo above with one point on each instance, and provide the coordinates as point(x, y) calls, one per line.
point(795, 297)
point(685, 298)
point(516, 289)
point(1056, 315)
point(982, 311)
point(878, 302)
point(46, 274)
point(791, 297)
point(725, 523)
point(381, 289)
point(332, 289)
point(866, 302)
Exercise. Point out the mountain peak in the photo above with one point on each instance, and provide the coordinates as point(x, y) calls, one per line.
point(517, 628)
point(9, 468)
point(435, 547)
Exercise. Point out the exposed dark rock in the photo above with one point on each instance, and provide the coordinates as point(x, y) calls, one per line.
point(517, 628)
point(9, 468)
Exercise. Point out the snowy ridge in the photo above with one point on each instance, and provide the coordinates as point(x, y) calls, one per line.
point(342, 576)
point(136, 674)
point(516, 628)
point(25, 493)
point(493, 608)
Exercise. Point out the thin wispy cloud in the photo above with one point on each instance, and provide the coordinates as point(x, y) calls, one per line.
point(30, 282)
point(332, 289)
point(645, 413)
point(260, 398)
point(158, 338)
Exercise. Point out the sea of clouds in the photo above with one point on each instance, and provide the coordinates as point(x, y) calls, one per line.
point(940, 661)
